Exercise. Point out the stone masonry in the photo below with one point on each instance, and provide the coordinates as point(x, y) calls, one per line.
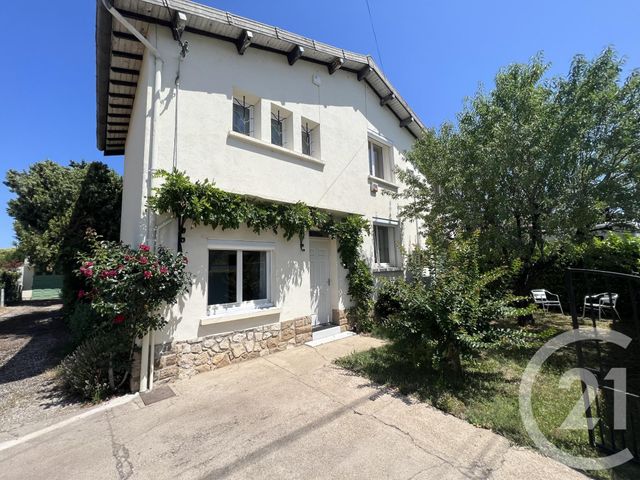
point(339, 317)
point(184, 359)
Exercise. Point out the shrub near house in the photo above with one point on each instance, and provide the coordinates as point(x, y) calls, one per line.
point(453, 314)
point(9, 282)
point(128, 289)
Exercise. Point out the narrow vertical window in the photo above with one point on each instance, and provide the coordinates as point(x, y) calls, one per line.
point(277, 137)
point(376, 160)
point(306, 139)
point(310, 137)
point(381, 244)
point(242, 114)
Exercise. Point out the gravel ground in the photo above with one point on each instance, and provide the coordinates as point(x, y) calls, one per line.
point(32, 342)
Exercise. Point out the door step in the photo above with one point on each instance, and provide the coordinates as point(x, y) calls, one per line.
point(329, 338)
point(323, 331)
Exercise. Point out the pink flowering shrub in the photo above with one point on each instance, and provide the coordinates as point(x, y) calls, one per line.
point(128, 288)
point(124, 296)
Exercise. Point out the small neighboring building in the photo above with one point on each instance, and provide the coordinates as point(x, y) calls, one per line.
point(603, 230)
point(262, 112)
point(25, 281)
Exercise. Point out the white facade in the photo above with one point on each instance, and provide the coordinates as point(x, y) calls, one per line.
point(345, 116)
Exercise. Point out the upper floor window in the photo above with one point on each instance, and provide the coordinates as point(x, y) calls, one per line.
point(380, 162)
point(277, 129)
point(242, 116)
point(310, 134)
point(376, 159)
point(306, 140)
point(281, 124)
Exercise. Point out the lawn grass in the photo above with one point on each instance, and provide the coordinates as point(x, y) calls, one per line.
point(488, 395)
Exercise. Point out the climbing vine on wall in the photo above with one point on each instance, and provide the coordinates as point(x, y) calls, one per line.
point(203, 203)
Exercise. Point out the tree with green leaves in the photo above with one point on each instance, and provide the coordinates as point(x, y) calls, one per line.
point(10, 258)
point(535, 158)
point(54, 205)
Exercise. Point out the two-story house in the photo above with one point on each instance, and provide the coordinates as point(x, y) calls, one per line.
point(262, 112)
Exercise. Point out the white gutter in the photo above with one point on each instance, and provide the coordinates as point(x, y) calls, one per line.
point(147, 354)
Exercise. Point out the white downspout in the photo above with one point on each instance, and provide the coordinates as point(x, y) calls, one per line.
point(147, 354)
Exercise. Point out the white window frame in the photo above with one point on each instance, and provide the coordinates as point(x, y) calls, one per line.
point(388, 166)
point(242, 306)
point(392, 236)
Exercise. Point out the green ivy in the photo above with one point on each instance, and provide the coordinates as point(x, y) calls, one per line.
point(348, 231)
point(205, 204)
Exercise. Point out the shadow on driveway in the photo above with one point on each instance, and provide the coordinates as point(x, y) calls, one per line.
point(32, 336)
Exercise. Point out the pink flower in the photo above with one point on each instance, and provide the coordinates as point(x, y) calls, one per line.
point(164, 270)
point(127, 258)
point(86, 271)
point(143, 260)
point(144, 248)
point(88, 264)
point(118, 319)
point(81, 294)
point(147, 274)
point(185, 260)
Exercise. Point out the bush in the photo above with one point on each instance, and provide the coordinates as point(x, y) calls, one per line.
point(9, 281)
point(453, 314)
point(83, 322)
point(98, 367)
point(128, 289)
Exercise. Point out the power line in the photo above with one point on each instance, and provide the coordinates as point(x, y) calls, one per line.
point(375, 37)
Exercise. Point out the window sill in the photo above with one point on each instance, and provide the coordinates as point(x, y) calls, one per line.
point(386, 269)
point(275, 148)
point(240, 315)
point(383, 183)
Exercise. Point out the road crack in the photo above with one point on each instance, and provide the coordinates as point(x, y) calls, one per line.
point(120, 453)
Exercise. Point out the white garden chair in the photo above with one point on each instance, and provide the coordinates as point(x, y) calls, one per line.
point(546, 299)
point(601, 301)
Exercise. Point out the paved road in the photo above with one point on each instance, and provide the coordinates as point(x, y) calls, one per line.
point(288, 415)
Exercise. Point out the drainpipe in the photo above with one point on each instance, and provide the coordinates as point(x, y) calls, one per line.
point(146, 380)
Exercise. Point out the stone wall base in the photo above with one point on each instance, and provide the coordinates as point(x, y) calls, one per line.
point(134, 379)
point(339, 317)
point(184, 359)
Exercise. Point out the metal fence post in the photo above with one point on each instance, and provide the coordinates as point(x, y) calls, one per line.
point(2, 298)
point(568, 280)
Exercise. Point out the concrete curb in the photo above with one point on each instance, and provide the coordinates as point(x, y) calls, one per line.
point(116, 402)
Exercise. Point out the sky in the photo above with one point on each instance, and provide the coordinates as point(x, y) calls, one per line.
point(435, 53)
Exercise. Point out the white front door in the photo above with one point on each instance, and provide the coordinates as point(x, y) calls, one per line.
point(320, 303)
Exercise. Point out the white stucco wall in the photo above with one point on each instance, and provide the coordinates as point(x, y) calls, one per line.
point(26, 279)
point(346, 111)
point(133, 222)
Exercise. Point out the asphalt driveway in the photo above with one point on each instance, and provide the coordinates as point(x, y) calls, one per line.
point(288, 415)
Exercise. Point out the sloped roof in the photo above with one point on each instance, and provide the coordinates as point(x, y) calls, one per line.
point(119, 59)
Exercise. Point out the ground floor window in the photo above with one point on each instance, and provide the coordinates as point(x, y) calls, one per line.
point(238, 278)
point(384, 245)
